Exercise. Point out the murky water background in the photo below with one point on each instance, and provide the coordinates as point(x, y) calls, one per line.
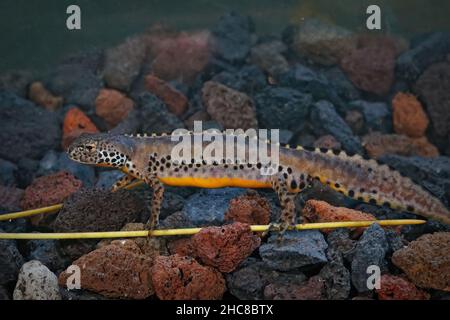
point(34, 35)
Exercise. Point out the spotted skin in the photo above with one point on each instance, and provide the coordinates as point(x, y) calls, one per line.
point(148, 158)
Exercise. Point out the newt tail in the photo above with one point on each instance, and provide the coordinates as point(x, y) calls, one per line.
point(149, 158)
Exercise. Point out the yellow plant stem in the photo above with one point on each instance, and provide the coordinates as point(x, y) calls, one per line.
point(191, 231)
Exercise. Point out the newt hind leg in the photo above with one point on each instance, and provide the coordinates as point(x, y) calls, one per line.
point(287, 186)
point(157, 199)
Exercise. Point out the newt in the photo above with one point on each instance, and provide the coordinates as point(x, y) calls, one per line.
point(148, 158)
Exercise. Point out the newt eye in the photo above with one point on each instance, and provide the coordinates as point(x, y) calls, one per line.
point(90, 147)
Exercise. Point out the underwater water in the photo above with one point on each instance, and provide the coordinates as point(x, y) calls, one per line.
point(34, 36)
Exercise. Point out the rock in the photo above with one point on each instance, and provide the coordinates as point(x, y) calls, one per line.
point(249, 208)
point(123, 63)
point(341, 84)
point(113, 106)
point(252, 276)
point(248, 79)
point(269, 57)
point(339, 240)
point(377, 145)
point(307, 80)
point(408, 115)
point(429, 49)
point(48, 253)
point(154, 116)
point(118, 270)
point(329, 122)
point(16, 81)
point(208, 206)
point(172, 203)
point(41, 96)
point(298, 249)
point(4, 294)
point(232, 36)
point(426, 261)
point(33, 141)
point(336, 276)
point(50, 190)
point(371, 67)
point(106, 179)
point(433, 88)
point(225, 247)
point(75, 124)
point(36, 282)
point(98, 210)
point(182, 247)
point(182, 278)
point(181, 57)
point(395, 240)
point(8, 172)
point(10, 261)
point(10, 198)
point(321, 211)
point(230, 108)
point(79, 295)
point(321, 42)
point(175, 101)
point(176, 220)
point(328, 142)
point(377, 115)
point(398, 288)
point(313, 289)
point(370, 250)
point(282, 108)
point(76, 82)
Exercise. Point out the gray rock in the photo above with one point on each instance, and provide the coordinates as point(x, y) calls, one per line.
point(176, 220)
point(123, 63)
point(395, 240)
point(79, 295)
point(16, 81)
point(269, 57)
point(377, 115)
point(33, 140)
point(370, 250)
point(36, 282)
point(106, 179)
point(10, 261)
point(426, 50)
point(248, 79)
point(341, 84)
point(336, 276)
point(48, 253)
point(328, 120)
point(8, 171)
point(208, 206)
point(339, 240)
point(78, 84)
point(253, 275)
point(297, 249)
point(282, 108)
point(56, 161)
point(154, 116)
point(4, 294)
point(232, 37)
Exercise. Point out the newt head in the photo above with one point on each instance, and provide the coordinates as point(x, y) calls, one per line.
point(100, 149)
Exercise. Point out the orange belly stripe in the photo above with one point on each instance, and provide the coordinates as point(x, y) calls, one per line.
point(220, 182)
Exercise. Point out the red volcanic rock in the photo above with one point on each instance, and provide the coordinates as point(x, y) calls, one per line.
point(230, 108)
point(321, 211)
point(408, 115)
point(118, 270)
point(41, 96)
point(426, 261)
point(377, 145)
point(225, 247)
point(250, 208)
point(398, 288)
point(313, 289)
point(49, 190)
point(175, 101)
point(182, 278)
point(76, 123)
point(10, 197)
point(113, 106)
point(182, 247)
point(181, 56)
point(370, 66)
point(433, 88)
